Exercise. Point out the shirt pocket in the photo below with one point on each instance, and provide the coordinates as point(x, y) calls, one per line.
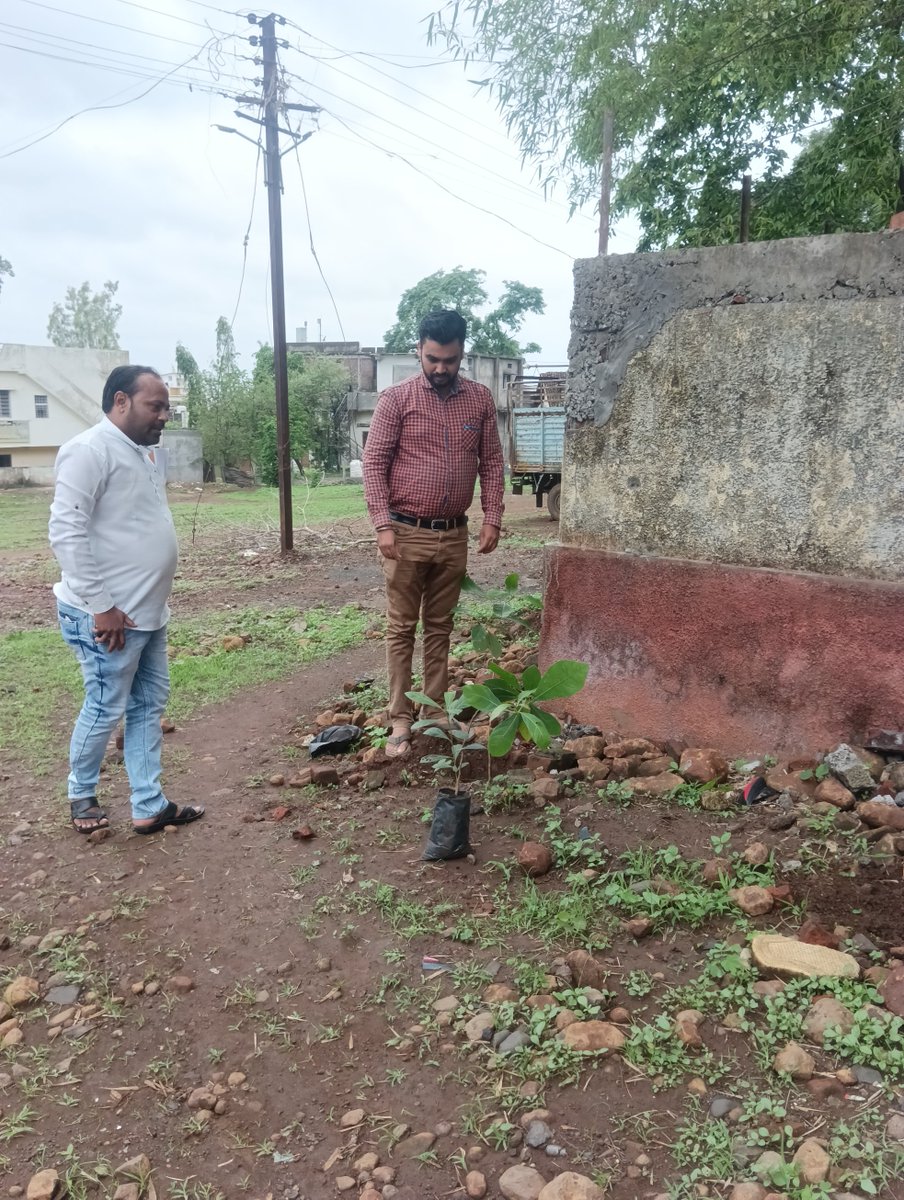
point(469, 436)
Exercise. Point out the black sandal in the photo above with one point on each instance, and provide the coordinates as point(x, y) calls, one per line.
point(171, 815)
point(87, 809)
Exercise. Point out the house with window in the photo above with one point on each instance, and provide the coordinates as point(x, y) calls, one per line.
point(372, 369)
point(48, 394)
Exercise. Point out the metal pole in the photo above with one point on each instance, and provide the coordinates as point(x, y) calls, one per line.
point(606, 184)
point(274, 200)
point(745, 209)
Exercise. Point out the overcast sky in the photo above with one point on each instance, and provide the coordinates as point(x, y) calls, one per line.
point(152, 195)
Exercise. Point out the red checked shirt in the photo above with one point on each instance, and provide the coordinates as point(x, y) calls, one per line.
point(424, 454)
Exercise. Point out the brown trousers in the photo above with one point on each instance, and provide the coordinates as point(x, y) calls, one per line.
point(424, 583)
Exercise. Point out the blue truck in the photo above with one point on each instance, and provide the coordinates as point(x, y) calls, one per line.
point(536, 435)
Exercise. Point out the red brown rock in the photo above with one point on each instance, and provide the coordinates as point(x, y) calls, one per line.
point(833, 791)
point(703, 766)
point(586, 747)
point(817, 935)
point(534, 859)
point(585, 970)
point(659, 764)
point(593, 1035)
point(877, 814)
point(629, 746)
point(655, 785)
point(892, 990)
point(753, 900)
point(595, 769)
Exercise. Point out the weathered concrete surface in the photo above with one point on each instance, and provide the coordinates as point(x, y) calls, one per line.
point(763, 435)
point(732, 409)
point(622, 301)
point(741, 659)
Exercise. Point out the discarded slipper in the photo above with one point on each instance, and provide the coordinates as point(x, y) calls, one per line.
point(87, 809)
point(398, 746)
point(171, 815)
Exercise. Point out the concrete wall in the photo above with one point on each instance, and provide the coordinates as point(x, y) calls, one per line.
point(184, 456)
point(734, 409)
point(71, 379)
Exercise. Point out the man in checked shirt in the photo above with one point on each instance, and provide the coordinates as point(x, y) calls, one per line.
point(430, 438)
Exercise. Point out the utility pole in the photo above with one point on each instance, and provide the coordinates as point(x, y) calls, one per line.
point(273, 180)
point(273, 106)
point(606, 183)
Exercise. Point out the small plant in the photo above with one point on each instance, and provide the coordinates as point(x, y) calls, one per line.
point(378, 735)
point(616, 793)
point(449, 729)
point(514, 703)
point(820, 773)
point(638, 983)
point(501, 606)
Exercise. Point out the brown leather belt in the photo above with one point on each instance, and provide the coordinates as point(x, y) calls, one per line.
point(436, 524)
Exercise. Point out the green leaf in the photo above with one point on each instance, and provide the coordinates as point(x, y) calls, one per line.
point(502, 737)
point(468, 585)
point(511, 582)
point(511, 681)
point(564, 678)
point(530, 678)
point(420, 698)
point(548, 720)
point(479, 696)
point(534, 730)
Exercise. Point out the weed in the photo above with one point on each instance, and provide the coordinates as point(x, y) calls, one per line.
point(16, 1124)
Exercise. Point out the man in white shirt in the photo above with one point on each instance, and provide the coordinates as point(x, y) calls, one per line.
point(112, 533)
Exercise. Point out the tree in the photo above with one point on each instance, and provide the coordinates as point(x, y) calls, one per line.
point(221, 402)
point(318, 424)
point(701, 94)
point(84, 319)
point(6, 268)
point(463, 289)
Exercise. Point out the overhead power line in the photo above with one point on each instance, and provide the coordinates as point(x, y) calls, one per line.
point(99, 107)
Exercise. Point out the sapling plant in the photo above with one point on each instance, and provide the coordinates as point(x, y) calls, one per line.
point(450, 729)
point(513, 703)
point(503, 607)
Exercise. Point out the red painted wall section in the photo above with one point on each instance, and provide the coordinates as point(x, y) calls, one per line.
point(745, 660)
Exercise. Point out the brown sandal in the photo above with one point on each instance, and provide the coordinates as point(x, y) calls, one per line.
point(399, 745)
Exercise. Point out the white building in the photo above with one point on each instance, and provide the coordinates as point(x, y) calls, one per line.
point(48, 394)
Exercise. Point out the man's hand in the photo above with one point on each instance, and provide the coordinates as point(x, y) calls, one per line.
point(489, 539)
point(386, 543)
point(110, 628)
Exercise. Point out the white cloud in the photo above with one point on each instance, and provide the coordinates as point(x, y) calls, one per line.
point(150, 194)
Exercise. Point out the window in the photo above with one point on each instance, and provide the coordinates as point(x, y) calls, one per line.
point(6, 460)
point(5, 410)
point(41, 409)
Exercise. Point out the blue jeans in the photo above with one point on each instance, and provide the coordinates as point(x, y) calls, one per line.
point(131, 683)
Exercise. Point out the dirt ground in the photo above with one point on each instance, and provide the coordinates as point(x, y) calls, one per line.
point(231, 966)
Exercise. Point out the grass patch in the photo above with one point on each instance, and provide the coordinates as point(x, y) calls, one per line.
point(47, 690)
point(42, 684)
point(258, 508)
point(24, 512)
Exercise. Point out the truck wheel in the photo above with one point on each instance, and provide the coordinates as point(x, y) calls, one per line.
point(553, 501)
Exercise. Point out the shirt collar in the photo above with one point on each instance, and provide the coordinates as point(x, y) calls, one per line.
point(112, 430)
point(428, 386)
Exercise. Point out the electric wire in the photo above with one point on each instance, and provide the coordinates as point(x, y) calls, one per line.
point(307, 213)
point(257, 164)
point(512, 184)
point(99, 107)
point(470, 203)
point(113, 24)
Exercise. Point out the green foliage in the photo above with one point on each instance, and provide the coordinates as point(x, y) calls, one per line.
point(701, 94)
point(84, 319)
point(515, 703)
point(221, 402)
point(6, 268)
point(318, 424)
point(462, 289)
point(492, 608)
point(450, 730)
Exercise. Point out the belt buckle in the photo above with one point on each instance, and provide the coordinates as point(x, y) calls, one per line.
point(438, 526)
